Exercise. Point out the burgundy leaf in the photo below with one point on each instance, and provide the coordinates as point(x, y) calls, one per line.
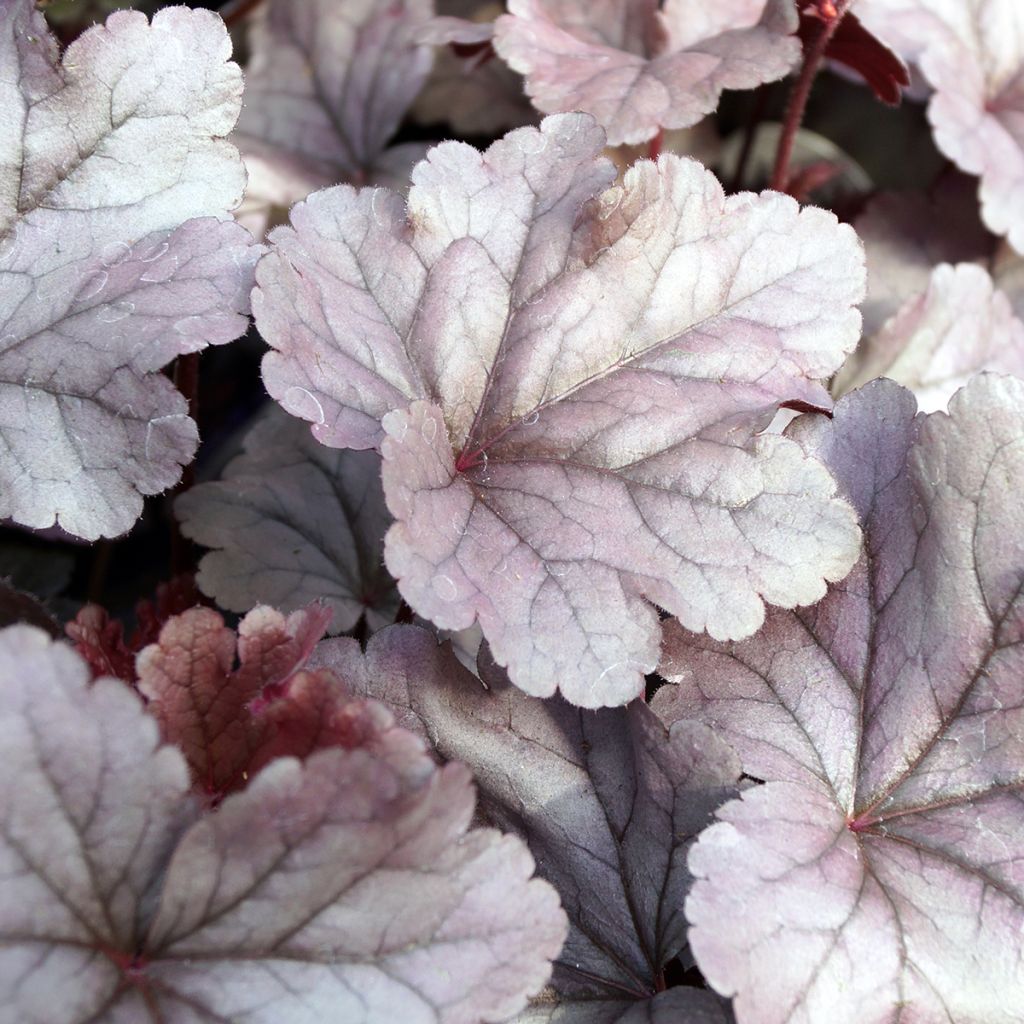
point(104, 278)
point(875, 876)
point(609, 803)
point(347, 889)
point(960, 325)
point(637, 68)
point(855, 47)
point(200, 698)
point(326, 87)
point(293, 522)
point(566, 426)
point(100, 639)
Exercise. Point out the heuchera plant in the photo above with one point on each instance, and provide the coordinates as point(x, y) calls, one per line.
point(560, 621)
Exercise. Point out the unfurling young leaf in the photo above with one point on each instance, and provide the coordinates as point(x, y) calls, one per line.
point(326, 88)
point(565, 380)
point(609, 803)
point(294, 522)
point(638, 68)
point(876, 876)
point(348, 888)
point(105, 277)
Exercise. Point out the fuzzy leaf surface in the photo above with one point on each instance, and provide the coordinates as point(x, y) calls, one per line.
point(565, 392)
point(876, 875)
point(326, 87)
point(291, 522)
point(106, 274)
point(347, 888)
point(609, 803)
point(637, 68)
point(960, 325)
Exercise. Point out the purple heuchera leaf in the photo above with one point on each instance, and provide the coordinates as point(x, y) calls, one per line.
point(564, 379)
point(348, 888)
point(961, 324)
point(326, 87)
point(294, 522)
point(638, 68)
point(876, 876)
point(104, 278)
point(609, 803)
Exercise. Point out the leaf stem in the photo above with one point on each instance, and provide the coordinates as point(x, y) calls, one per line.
point(654, 147)
point(832, 15)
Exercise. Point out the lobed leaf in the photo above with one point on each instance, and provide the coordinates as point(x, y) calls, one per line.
point(876, 874)
point(638, 68)
point(326, 88)
point(293, 522)
point(564, 382)
point(348, 888)
point(113, 167)
point(201, 699)
point(960, 325)
point(609, 803)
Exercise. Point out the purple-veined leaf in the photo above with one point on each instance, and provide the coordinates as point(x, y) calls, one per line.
point(348, 888)
point(959, 325)
point(293, 522)
point(609, 802)
point(637, 68)
point(876, 876)
point(104, 278)
point(564, 379)
point(326, 87)
point(201, 699)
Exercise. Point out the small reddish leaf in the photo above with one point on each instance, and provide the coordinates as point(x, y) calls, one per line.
point(201, 699)
point(858, 49)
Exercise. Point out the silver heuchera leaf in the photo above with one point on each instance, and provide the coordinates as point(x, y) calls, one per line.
point(609, 803)
point(293, 522)
point(638, 68)
point(564, 379)
point(959, 325)
point(876, 876)
point(326, 87)
point(348, 888)
point(972, 54)
point(104, 278)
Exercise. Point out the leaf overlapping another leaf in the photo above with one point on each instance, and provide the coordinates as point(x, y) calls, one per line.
point(639, 66)
point(293, 522)
point(876, 876)
point(565, 380)
point(609, 802)
point(347, 888)
point(112, 260)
